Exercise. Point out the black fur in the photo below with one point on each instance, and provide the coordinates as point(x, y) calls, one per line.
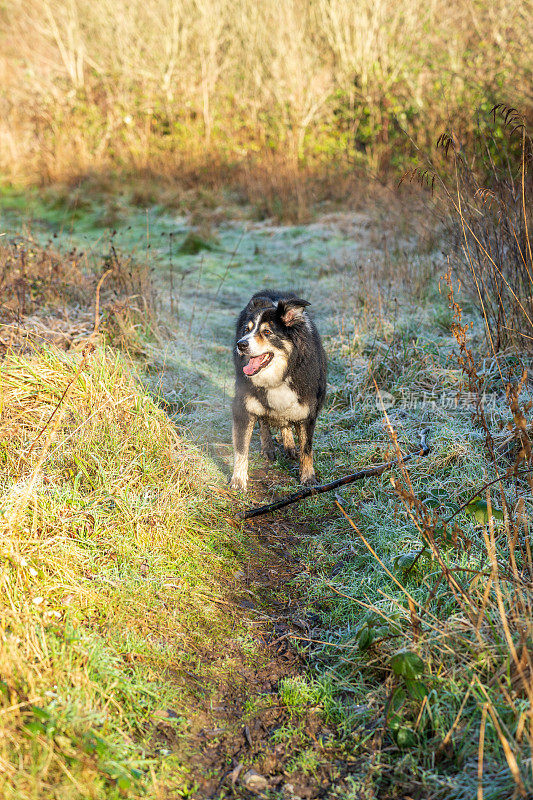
point(294, 339)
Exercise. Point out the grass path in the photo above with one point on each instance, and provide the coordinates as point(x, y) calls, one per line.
point(263, 717)
point(307, 741)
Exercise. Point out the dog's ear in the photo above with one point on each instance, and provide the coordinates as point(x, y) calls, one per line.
point(291, 311)
point(260, 301)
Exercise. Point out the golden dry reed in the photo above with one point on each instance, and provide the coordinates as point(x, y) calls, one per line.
point(164, 85)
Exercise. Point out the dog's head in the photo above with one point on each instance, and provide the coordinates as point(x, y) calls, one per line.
point(265, 338)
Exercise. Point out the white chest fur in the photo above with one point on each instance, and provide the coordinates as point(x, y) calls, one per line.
point(282, 405)
point(283, 402)
point(254, 406)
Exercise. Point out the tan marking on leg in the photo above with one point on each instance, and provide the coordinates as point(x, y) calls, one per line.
point(289, 445)
point(307, 471)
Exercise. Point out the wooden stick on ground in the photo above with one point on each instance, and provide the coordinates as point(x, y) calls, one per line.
point(311, 491)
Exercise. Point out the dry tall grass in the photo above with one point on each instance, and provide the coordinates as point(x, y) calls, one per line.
point(446, 622)
point(486, 189)
point(68, 298)
point(486, 640)
point(160, 84)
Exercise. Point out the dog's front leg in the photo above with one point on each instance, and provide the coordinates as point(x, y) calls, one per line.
point(243, 425)
point(267, 443)
point(305, 436)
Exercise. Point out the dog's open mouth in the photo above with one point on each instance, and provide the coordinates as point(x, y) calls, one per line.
point(257, 362)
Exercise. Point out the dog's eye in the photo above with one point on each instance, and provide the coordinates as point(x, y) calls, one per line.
point(267, 332)
point(250, 325)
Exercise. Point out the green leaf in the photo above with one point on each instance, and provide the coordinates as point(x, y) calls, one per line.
point(479, 509)
point(371, 618)
point(394, 721)
point(405, 737)
point(442, 534)
point(432, 502)
point(416, 689)
point(41, 713)
point(365, 638)
point(41, 721)
point(438, 498)
point(124, 776)
point(34, 727)
point(136, 773)
point(398, 699)
point(405, 561)
point(407, 664)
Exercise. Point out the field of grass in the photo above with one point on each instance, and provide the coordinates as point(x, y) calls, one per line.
point(282, 103)
point(122, 546)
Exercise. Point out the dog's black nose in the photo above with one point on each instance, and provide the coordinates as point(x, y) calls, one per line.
point(242, 345)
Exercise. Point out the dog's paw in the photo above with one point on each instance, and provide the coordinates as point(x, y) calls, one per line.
point(310, 480)
point(269, 453)
point(238, 483)
point(291, 452)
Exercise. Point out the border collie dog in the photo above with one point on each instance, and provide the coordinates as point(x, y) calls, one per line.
point(280, 380)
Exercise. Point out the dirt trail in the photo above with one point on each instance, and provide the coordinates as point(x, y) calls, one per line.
point(245, 723)
point(239, 731)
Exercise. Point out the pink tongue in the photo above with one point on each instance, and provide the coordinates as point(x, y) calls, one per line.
point(253, 365)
